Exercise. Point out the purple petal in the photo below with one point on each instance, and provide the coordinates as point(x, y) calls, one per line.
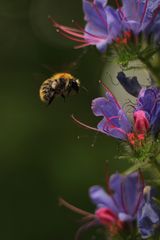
point(105, 106)
point(132, 25)
point(126, 200)
point(103, 24)
point(102, 46)
point(146, 100)
point(108, 129)
point(149, 102)
point(129, 11)
point(115, 122)
point(155, 123)
point(95, 14)
point(140, 15)
point(125, 217)
point(101, 198)
point(148, 215)
point(113, 22)
point(101, 2)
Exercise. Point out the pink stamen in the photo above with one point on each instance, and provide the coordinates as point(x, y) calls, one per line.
point(77, 35)
point(91, 34)
point(73, 33)
point(72, 38)
point(82, 45)
point(84, 125)
point(75, 209)
point(107, 90)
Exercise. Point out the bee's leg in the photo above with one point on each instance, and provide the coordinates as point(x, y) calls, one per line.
point(69, 90)
point(62, 95)
point(52, 96)
point(50, 100)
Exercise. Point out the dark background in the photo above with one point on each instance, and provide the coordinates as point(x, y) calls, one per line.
point(41, 155)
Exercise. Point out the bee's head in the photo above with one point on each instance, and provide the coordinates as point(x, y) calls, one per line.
point(76, 85)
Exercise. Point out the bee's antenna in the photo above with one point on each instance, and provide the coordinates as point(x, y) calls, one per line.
point(84, 88)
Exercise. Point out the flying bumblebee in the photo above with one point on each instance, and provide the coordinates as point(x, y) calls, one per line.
point(60, 84)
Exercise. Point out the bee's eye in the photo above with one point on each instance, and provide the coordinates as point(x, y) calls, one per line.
point(75, 85)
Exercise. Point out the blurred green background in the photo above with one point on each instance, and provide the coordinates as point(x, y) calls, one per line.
point(44, 154)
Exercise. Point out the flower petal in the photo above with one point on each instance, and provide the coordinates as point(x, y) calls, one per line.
point(115, 122)
point(148, 215)
point(101, 198)
point(125, 199)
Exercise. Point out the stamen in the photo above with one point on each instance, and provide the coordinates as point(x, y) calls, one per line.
point(74, 209)
point(84, 125)
point(82, 45)
point(77, 35)
point(91, 34)
point(107, 90)
point(72, 38)
point(84, 228)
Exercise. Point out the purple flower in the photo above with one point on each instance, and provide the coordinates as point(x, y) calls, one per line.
point(103, 25)
point(137, 15)
point(102, 21)
point(148, 215)
point(122, 203)
point(115, 122)
point(149, 102)
point(147, 110)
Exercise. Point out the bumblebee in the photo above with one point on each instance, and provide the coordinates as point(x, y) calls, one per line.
point(60, 84)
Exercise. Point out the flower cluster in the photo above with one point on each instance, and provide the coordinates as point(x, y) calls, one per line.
point(106, 25)
point(119, 202)
point(128, 208)
point(146, 113)
point(115, 123)
point(128, 201)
